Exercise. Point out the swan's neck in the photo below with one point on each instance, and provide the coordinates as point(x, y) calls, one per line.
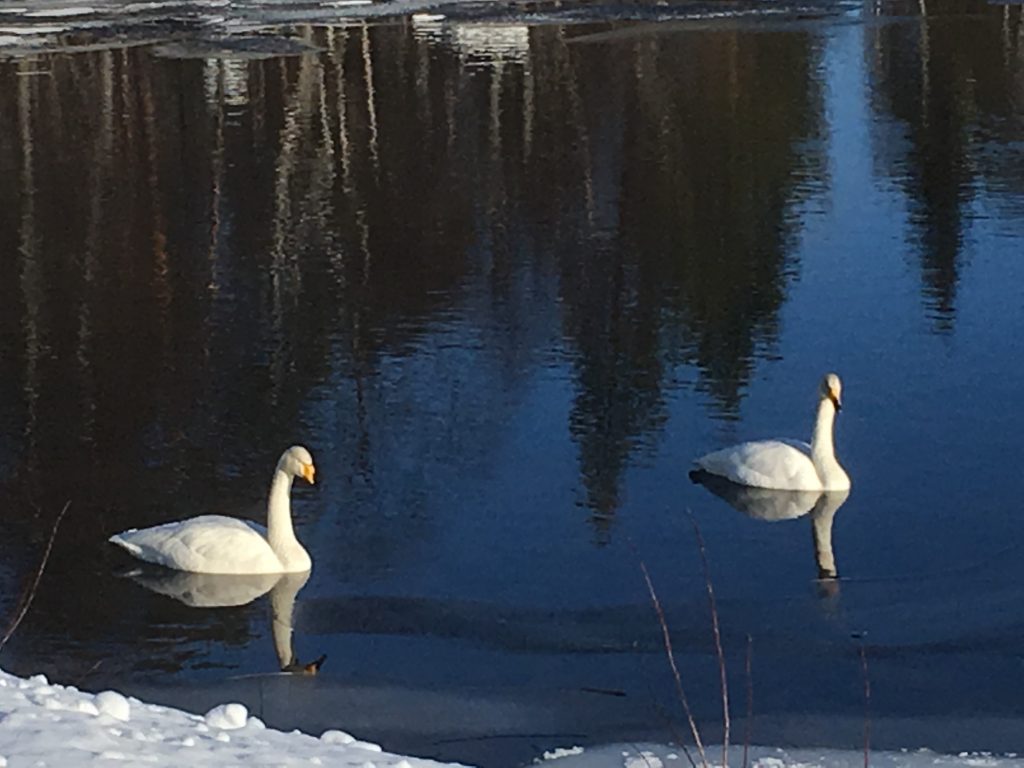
point(823, 452)
point(280, 533)
point(821, 440)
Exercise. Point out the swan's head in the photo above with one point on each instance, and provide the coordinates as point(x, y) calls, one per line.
point(298, 462)
point(832, 389)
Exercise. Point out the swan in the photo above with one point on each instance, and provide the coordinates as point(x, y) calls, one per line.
point(788, 465)
point(227, 545)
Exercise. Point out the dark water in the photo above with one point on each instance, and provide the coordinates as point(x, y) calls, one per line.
point(506, 281)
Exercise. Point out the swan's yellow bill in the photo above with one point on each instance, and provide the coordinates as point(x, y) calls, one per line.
point(308, 472)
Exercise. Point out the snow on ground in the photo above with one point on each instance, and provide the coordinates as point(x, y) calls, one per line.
point(52, 725)
point(661, 756)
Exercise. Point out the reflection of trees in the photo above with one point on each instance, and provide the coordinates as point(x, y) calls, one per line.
point(202, 244)
point(722, 145)
point(949, 78)
point(203, 247)
point(669, 219)
point(357, 191)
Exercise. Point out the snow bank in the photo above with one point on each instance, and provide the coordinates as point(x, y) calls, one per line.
point(662, 756)
point(52, 725)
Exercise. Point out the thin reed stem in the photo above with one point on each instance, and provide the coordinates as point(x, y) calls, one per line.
point(26, 601)
point(671, 727)
point(750, 701)
point(867, 703)
point(667, 641)
point(723, 679)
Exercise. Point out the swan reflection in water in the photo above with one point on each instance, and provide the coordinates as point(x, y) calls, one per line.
point(207, 590)
point(771, 505)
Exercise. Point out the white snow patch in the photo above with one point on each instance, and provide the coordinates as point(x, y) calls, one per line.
point(622, 755)
point(55, 12)
point(114, 704)
point(30, 31)
point(136, 7)
point(74, 735)
point(554, 754)
point(227, 716)
point(645, 759)
point(336, 737)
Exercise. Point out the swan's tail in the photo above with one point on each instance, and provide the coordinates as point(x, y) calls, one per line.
point(121, 541)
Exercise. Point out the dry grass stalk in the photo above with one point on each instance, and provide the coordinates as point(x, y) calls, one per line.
point(750, 701)
point(670, 726)
point(723, 679)
point(29, 595)
point(680, 692)
point(867, 703)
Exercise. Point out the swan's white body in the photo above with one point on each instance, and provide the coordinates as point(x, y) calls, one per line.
point(787, 465)
point(226, 545)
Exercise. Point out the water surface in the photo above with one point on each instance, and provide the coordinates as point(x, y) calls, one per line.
point(506, 280)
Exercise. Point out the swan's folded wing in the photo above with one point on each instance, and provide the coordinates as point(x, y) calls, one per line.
point(778, 464)
point(202, 545)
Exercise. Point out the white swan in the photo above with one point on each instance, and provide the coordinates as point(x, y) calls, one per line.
point(227, 545)
point(788, 465)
